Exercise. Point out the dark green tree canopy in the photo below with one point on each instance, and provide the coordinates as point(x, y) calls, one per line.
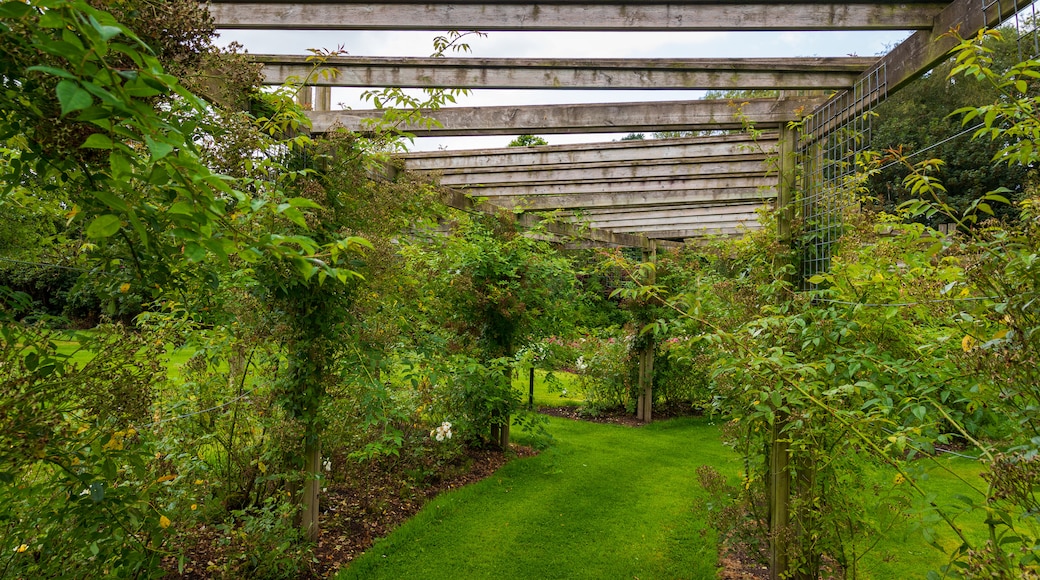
point(918, 122)
point(528, 141)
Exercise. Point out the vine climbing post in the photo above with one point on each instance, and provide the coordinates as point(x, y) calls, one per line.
point(779, 491)
point(786, 184)
point(779, 472)
point(309, 501)
point(645, 352)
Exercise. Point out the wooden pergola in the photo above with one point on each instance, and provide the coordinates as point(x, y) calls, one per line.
point(631, 193)
point(669, 190)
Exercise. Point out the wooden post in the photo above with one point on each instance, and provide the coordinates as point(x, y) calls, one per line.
point(778, 478)
point(645, 402)
point(646, 381)
point(788, 183)
point(530, 392)
point(305, 98)
point(500, 422)
point(322, 98)
point(779, 493)
point(311, 487)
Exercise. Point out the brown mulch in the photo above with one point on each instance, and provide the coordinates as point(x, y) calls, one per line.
point(576, 413)
point(737, 563)
point(363, 506)
point(369, 504)
point(364, 509)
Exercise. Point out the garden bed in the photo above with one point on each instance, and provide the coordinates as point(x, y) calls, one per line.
point(368, 505)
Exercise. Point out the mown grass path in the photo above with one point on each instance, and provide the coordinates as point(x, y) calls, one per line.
point(605, 501)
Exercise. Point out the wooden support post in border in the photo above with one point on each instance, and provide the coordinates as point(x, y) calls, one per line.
point(305, 98)
point(779, 492)
point(788, 183)
point(778, 479)
point(322, 98)
point(499, 420)
point(645, 401)
point(530, 392)
point(309, 501)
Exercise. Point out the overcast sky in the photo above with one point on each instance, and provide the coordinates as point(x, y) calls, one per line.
point(564, 45)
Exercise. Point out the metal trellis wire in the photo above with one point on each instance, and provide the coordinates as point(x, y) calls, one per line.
point(840, 130)
point(1024, 21)
point(831, 139)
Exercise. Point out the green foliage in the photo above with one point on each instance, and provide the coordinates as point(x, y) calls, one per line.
point(527, 141)
point(485, 291)
point(262, 543)
point(927, 113)
point(80, 488)
point(606, 373)
point(914, 340)
point(129, 172)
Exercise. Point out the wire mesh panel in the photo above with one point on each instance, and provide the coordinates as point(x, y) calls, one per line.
point(1024, 22)
point(831, 139)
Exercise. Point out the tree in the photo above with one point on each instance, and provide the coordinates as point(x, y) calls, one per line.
point(94, 124)
point(498, 287)
point(919, 119)
point(527, 141)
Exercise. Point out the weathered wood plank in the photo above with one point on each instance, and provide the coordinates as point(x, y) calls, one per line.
point(502, 73)
point(632, 171)
point(610, 215)
point(707, 225)
point(557, 187)
point(926, 48)
point(700, 233)
point(562, 231)
point(574, 16)
point(704, 115)
point(584, 153)
point(669, 222)
point(574, 198)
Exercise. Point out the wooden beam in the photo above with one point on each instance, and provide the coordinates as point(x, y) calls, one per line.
point(682, 211)
point(646, 16)
point(574, 198)
point(504, 73)
point(926, 48)
point(702, 233)
point(479, 173)
point(750, 164)
point(670, 222)
point(705, 227)
point(703, 115)
point(590, 153)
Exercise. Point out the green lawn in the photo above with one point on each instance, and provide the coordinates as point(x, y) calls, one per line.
point(605, 502)
point(68, 344)
point(616, 502)
point(609, 501)
point(547, 395)
point(903, 552)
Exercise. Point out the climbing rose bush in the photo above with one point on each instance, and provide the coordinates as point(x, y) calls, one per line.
point(442, 432)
